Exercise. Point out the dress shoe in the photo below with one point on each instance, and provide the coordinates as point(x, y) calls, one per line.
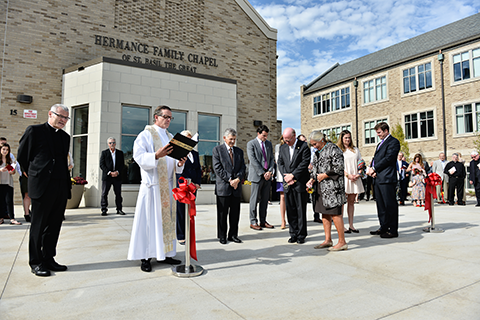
point(324, 245)
point(255, 227)
point(266, 225)
point(300, 241)
point(120, 212)
point(27, 217)
point(52, 265)
point(344, 247)
point(376, 232)
point(477, 205)
point(170, 260)
point(41, 271)
point(223, 241)
point(104, 213)
point(317, 220)
point(401, 203)
point(292, 240)
point(388, 235)
point(235, 239)
point(347, 231)
point(146, 265)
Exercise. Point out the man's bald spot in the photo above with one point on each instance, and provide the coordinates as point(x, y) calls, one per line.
point(288, 132)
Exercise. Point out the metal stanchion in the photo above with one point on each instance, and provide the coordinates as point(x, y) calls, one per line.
point(432, 228)
point(187, 270)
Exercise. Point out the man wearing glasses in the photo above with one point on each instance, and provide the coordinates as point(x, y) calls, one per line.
point(43, 154)
point(112, 163)
point(154, 224)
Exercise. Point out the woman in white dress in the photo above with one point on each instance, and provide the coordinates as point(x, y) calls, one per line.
point(353, 181)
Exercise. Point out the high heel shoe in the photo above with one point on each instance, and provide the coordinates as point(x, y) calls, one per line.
point(27, 217)
point(353, 230)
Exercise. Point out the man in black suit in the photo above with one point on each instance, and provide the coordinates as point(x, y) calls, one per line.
point(384, 172)
point(43, 154)
point(191, 170)
point(456, 180)
point(293, 161)
point(475, 175)
point(229, 167)
point(112, 163)
point(403, 176)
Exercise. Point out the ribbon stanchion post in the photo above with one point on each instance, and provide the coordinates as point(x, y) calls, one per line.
point(432, 180)
point(185, 193)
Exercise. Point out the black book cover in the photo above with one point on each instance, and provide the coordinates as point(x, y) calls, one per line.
point(181, 146)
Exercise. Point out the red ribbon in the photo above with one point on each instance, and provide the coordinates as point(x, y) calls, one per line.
point(185, 193)
point(432, 180)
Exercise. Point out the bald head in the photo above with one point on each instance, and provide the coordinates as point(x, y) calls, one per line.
point(289, 136)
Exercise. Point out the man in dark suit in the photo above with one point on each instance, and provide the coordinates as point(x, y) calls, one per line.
point(293, 161)
point(260, 172)
point(112, 163)
point(475, 175)
point(403, 177)
point(456, 180)
point(43, 154)
point(229, 168)
point(383, 170)
point(191, 170)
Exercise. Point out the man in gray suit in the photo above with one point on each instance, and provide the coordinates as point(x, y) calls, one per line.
point(438, 167)
point(229, 168)
point(260, 172)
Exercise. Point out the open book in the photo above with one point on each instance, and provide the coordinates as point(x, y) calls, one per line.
point(181, 146)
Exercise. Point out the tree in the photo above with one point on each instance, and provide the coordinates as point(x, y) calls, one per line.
point(332, 136)
point(397, 132)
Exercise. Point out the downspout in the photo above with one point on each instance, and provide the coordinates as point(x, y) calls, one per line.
point(440, 59)
point(355, 84)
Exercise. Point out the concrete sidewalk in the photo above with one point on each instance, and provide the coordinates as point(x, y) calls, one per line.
point(416, 276)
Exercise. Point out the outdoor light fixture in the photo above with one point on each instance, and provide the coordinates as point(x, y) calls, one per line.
point(23, 98)
point(257, 123)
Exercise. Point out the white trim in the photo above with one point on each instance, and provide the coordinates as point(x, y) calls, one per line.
point(419, 139)
point(454, 118)
point(416, 64)
point(362, 89)
point(468, 48)
point(268, 31)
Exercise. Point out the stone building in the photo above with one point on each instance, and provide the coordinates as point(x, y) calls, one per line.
point(429, 84)
point(112, 62)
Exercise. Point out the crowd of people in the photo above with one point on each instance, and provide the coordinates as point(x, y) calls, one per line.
point(333, 177)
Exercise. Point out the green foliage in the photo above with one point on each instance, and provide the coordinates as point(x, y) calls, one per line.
point(476, 142)
point(397, 132)
point(333, 136)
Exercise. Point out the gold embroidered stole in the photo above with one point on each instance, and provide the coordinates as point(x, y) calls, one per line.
point(168, 211)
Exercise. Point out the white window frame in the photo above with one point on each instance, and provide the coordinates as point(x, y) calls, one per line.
point(333, 95)
point(374, 85)
point(419, 120)
point(473, 52)
point(475, 118)
point(417, 81)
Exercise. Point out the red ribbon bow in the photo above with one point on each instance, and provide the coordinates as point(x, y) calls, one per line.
point(432, 180)
point(185, 193)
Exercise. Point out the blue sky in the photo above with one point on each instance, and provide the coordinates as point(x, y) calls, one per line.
point(314, 35)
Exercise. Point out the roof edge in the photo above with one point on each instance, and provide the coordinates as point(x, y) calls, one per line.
point(268, 31)
point(321, 76)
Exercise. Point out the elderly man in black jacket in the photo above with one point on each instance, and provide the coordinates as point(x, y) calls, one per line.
point(456, 178)
point(112, 163)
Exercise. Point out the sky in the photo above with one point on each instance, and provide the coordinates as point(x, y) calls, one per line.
point(313, 35)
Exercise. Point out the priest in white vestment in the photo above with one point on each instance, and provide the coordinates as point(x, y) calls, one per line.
point(153, 231)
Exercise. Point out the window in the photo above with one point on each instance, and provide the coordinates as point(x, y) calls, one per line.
point(134, 120)
point(333, 101)
point(419, 125)
point(209, 137)
point(317, 105)
point(80, 141)
point(375, 90)
point(178, 123)
point(336, 130)
point(466, 65)
point(417, 78)
point(370, 133)
point(467, 118)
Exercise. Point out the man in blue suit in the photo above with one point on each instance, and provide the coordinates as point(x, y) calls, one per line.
point(260, 172)
point(383, 170)
point(191, 170)
point(229, 168)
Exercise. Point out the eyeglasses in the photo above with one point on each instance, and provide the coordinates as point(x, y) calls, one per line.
point(167, 117)
point(60, 116)
point(112, 142)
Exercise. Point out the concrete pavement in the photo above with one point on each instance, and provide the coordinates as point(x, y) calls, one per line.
point(416, 276)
